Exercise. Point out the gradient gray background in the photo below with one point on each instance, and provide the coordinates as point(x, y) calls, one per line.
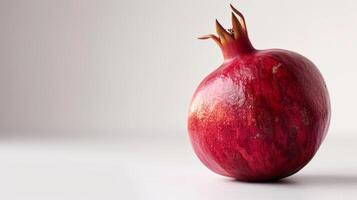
point(127, 68)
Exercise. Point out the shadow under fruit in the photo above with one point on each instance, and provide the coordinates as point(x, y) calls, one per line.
point(260, 116)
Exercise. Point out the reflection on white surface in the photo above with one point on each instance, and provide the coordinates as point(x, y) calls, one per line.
point(157, 169)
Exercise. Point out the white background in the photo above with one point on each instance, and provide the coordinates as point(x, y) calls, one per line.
point(130, 67)
point(104, 73)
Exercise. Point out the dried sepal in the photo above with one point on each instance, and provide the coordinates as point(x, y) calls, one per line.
point(241, 17)
point(224, 36)
point(211, 36)
point(237, 27)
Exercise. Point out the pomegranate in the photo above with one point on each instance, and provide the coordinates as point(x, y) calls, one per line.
point(260, 116)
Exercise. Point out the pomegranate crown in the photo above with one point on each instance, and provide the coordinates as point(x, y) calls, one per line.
point(233, 42)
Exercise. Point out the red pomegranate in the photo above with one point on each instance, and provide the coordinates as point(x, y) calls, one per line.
point(262, 115)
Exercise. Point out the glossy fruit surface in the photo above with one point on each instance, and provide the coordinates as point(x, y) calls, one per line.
point(262, 114)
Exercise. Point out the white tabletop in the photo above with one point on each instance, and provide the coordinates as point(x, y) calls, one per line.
point(154, 168)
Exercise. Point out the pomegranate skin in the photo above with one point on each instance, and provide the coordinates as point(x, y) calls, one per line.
point(261, 116)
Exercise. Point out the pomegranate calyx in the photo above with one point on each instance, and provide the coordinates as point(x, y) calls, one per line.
point(233, 42)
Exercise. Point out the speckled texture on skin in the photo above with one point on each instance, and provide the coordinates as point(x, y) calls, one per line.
point(260, 116)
